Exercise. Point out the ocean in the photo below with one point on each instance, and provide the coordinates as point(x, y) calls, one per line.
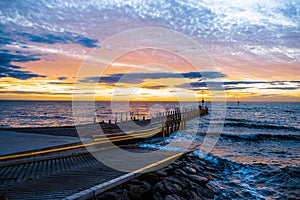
point(259, 143)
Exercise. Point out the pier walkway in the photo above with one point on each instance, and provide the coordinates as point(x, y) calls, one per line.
point(60, 172)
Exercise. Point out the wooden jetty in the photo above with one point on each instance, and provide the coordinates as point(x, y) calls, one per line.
point(162, 124)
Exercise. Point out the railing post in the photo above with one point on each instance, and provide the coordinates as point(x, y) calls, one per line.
point(167, 126)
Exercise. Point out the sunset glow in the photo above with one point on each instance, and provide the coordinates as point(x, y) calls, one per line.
point(256, 51)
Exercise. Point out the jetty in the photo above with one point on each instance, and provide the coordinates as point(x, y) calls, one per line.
point(68, 170)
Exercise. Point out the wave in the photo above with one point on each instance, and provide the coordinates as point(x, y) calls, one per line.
point(255, 137)
point(246, 124)
point(253, 181)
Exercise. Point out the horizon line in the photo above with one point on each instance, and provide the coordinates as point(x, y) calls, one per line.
point(145, 101)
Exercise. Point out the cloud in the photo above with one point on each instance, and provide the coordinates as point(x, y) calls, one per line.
point(243, 82)
point(110, 79)
point(64, 38)
point(62, 78)
point(242, 85)
point(205, 75)
point(286, 83)
point(154, 87)
point(61, 83)
point(4, 40)
point(34, 92)
point(235, 88)
point(193, 84)
point(140, 77)
point(249, 30)
point(7, 69)
point(295, 82)
point(281, 88)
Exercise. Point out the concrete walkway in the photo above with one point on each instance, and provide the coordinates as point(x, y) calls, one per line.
point(15, 142)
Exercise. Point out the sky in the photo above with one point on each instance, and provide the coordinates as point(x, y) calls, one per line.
point(253, 47)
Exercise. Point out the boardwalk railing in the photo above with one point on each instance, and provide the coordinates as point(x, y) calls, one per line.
point(162, 124)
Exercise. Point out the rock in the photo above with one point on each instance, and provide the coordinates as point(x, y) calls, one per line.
point(179, 172)
point(192, 155)
point(138, 189)
point(3, 197)
point(199, 168)
point(198, 179)
point(176, 180)
point(213, 175)
point(161, 173)
point(171, 187)
point(187, 183)
point(186, 178)
point(191, 160)
point(204, 193)
point(201, 162)
point(170, 168)
point(121, 191)
point(108, 196)
point(138, 182)
point(151, 178)
point(159, 187)
point(217, 189)
point(157, 196)
point(122, 195)
point(178, 162)
point(211, 169)
point(189, 170)
point(173, 197)
point(190, 195)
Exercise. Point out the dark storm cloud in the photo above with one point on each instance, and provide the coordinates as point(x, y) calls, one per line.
point(7, 69)
point(65, 38)
point(140, 77)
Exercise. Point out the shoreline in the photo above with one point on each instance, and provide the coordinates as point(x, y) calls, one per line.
point(188, 177)
point(194, 178)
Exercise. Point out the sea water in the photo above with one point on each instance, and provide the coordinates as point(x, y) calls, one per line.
point(260, 145)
